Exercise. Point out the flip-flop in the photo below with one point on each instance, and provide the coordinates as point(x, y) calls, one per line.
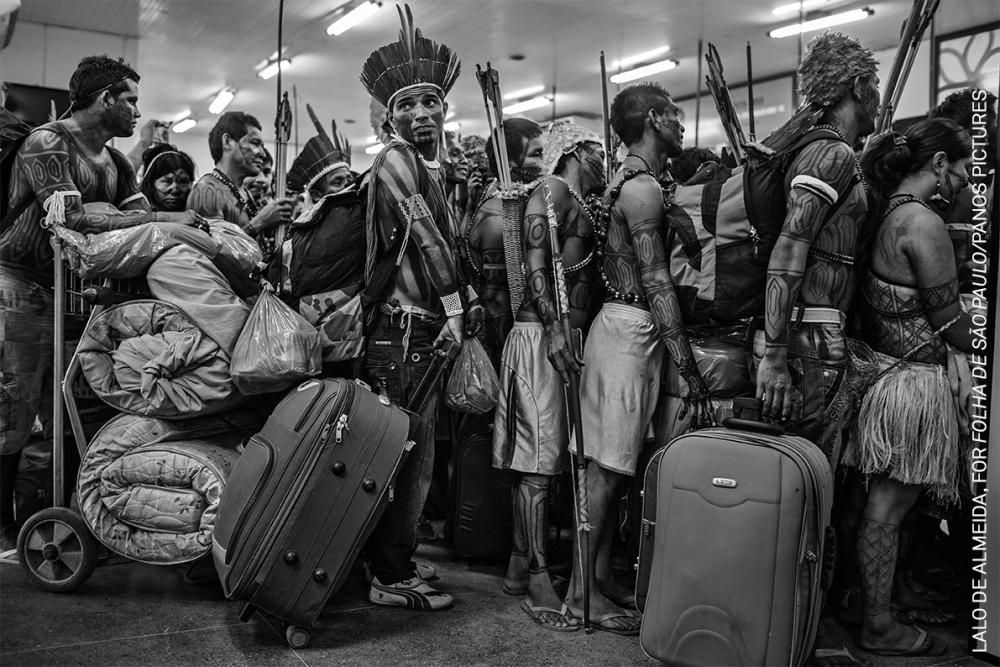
point(835, 656)
point(626, 602)
point(605, 624)
point(536, 615)
point(923, 645)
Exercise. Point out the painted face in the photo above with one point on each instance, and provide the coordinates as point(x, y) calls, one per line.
point(953, 178)
point(868, 100)
point(419, 118)
point(457, 167)
point(123, 111)
point(592, 158)
point(259, 184)
point(172, 190)
point(248, 152)
point(336, 180)
point(532, 161)
point(668, 125)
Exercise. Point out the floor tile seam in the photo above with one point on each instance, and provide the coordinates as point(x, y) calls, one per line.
point(118, 639)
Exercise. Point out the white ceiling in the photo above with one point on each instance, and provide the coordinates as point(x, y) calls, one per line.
point(189, 49)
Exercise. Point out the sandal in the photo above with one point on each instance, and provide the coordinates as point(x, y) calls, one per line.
point(539, 615)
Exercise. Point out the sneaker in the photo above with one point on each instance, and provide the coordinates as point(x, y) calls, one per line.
point(411, 593)
point(423, 571)
point(8, 543)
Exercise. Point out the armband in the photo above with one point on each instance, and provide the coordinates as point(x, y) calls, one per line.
point(816, 186)
point(452, 304)
point(55, 207)
point(470, 294)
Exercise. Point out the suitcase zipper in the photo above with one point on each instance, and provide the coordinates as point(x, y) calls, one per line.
point(291, 499)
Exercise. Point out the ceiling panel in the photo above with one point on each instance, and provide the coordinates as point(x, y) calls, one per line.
point(189, 49)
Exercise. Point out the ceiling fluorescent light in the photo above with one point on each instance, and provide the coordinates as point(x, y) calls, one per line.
point(450, 114)
point(796, 7)
point(526, 92)
point(374, 149)
point(371, 139)
point(644, 71)
point(184, 125)
point(272, 69)
point(352, 18)
point(222, 100)
point(640, 57)
point(181, 116)
point(453, 126)
point(528, 105)
point(822, 22)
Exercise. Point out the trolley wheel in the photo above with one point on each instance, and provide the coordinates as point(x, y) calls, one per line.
point(56, 550)
point(296, 637)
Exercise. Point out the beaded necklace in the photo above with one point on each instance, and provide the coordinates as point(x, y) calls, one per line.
point(857, 162)
point(243, 204)
point(590, 214)
point(601, 234)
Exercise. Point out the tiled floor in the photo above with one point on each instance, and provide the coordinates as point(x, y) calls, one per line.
point(135, 614)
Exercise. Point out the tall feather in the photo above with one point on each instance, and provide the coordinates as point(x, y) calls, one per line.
point(318, 125)
point(411, 60)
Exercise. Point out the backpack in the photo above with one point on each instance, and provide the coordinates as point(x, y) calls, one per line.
point(724, 230)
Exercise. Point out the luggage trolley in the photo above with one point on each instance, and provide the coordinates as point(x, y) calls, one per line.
point(55, 545)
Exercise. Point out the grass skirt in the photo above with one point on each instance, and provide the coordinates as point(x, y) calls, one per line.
point(907, 428)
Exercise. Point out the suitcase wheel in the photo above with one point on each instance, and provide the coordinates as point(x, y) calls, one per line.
point(56, 550)
point(297, 637)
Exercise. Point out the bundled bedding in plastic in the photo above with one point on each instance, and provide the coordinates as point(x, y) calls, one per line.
point(149, 358)
point(149, 488)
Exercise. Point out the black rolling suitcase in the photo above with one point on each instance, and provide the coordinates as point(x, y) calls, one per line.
point(731, 557)
point(481, 520)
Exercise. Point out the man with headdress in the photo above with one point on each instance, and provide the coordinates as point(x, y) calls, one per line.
point(421, 305)
point(324, 165)
point(799, 347)
point(484, 239)
point(60, 168)
point(530, 433)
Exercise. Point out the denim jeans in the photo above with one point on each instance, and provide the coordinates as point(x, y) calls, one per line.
point(398, 353)
point(817, 362)
point(26, 329)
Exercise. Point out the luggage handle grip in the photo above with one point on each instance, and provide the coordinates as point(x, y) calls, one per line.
point(751, 425)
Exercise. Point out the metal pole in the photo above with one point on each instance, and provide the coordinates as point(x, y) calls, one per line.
point(697, 94)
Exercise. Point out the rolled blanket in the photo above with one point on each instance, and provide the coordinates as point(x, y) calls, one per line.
point(907, 427)
point(188, 279)
point(239, 257)
point(149, 489)
point(149, 358)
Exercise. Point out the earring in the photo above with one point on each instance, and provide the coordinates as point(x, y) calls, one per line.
point(937, 196)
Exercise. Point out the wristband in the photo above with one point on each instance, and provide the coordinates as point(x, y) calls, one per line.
point(452, 304)
point(470, 294)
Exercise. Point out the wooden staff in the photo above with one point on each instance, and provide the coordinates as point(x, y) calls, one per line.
point(609, 165)
point(911, 33)
point(282, 132)
point(752, 124)
point(573, 406)
point(724, 103)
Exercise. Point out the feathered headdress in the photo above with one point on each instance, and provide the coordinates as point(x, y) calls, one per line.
point(319, 156)
point(412, 61)
point(562, 137)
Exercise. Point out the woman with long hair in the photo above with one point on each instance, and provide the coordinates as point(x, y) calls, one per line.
point(907, 432)
point(167, 177)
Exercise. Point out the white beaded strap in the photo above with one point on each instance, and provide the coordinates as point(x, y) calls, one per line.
point(55, 207)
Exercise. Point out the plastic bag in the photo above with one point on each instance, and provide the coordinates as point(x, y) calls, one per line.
point(128, 252)
point(275, 350)
point(473, 386)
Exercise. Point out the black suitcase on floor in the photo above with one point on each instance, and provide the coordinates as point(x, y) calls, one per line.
point(731, 557)
point(481, 504)
point(304, 497)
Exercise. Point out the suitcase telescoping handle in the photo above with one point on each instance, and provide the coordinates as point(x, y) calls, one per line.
point(746, 416)
point(442, 357)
